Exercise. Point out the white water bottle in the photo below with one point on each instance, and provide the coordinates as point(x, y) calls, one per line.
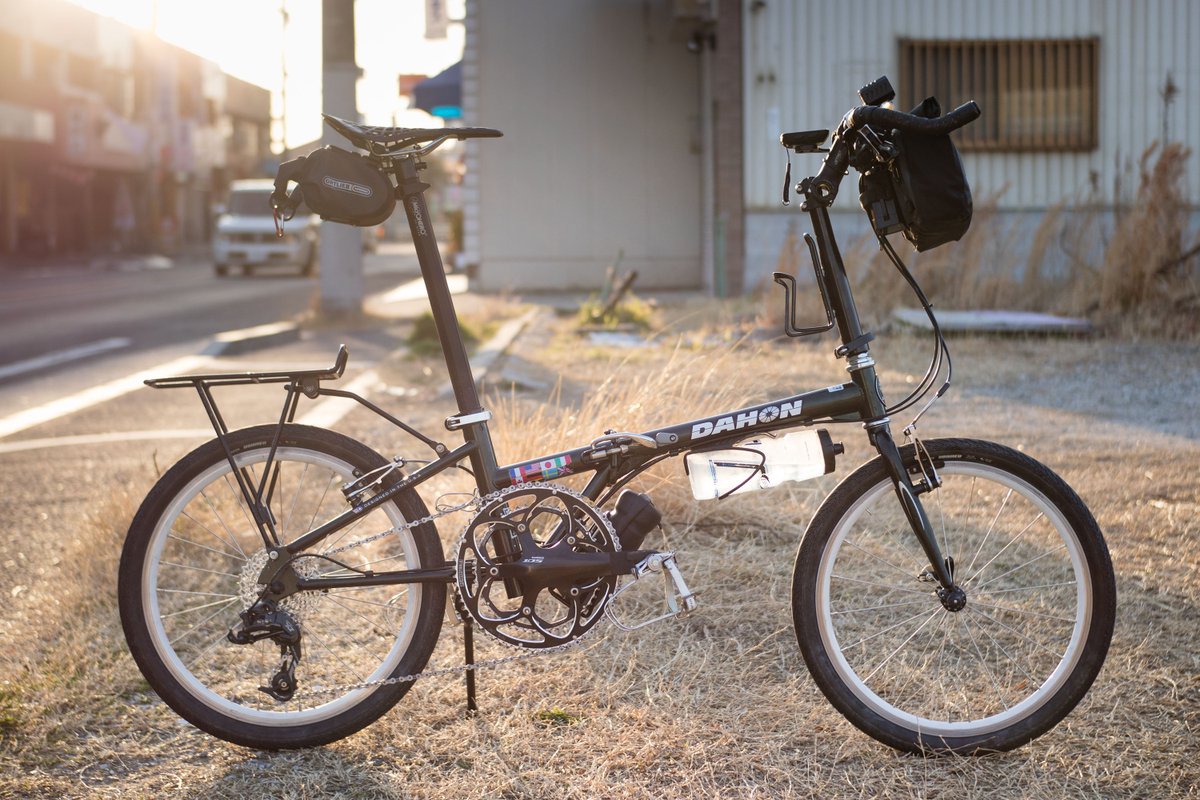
point(760, 463)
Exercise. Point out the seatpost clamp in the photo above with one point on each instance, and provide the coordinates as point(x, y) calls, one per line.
point(463, 420)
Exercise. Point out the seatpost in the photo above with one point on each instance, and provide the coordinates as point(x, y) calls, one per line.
point(445, 318)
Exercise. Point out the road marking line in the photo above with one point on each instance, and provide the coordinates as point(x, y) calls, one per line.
point(62, 356)
point(96, 394)
point(329, 412)
point(103, 438)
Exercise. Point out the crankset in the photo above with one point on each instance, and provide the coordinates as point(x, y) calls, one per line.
point(538, 564)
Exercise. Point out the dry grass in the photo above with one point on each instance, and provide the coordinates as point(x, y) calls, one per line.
point(718, 705)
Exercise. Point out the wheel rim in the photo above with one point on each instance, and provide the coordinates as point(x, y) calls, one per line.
point(967, 673)
point(201, 563)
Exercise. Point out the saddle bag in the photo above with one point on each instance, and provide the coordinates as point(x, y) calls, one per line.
point(337, 185)
point(923, 191)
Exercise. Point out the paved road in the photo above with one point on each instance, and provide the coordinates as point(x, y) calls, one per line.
point(101, 438)
point(51, 311)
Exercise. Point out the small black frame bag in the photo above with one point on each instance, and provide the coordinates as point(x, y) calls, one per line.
point(923, 191)
point(337, 185)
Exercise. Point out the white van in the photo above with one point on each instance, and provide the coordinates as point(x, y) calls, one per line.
point(245, 233)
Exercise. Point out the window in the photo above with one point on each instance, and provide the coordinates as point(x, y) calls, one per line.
point(1036, 94)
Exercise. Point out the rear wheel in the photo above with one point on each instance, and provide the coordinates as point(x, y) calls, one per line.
point(190, 566)
point(1006, 667)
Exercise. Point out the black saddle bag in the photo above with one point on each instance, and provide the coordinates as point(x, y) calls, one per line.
point(923, 192)
point(337, 185)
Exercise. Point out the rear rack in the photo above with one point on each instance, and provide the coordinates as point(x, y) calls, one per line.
point(307, 380)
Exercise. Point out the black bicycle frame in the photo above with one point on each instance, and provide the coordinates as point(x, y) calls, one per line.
point(614, 458)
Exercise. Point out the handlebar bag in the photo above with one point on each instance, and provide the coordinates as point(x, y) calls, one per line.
point(339, 186)
point(932, 193)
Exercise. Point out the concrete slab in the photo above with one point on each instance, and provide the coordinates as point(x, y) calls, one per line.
point(996, 322)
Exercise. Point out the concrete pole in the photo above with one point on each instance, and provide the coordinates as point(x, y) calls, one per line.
point(342, 285)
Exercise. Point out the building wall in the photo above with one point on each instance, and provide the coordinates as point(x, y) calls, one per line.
point(806, 60)
point(599, 104)
point(111, 139)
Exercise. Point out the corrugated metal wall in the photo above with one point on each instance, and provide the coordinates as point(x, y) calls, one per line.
point(806, 59)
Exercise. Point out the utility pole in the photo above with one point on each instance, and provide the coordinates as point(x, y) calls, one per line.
point(342, 285)
point(284, 19)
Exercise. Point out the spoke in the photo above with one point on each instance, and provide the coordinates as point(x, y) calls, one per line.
point(240, 500)
point(198, 608)
point(1024, 530)
point(345, 596)
point(317, 510)
point(938, 677)
point(195, 627)
point(986, 668)
point(185, 540)
point(932, 615)
point(918, 668)
point(198, 569)
point(877, 634)
point(1008, 627)
point(906, 572)
point(232, 536)
point(379, 629)
point(194, 592)
point(1068, 620)
point(209, 648)
point(366, 564)
point(981, 590)
point(942, 518)
point(1007, 654)
point(1063, 546)
point(991, 527)
point(329, 544)
point(287, 520)
point(888, 586)
point(877, 608)
point(337, 656)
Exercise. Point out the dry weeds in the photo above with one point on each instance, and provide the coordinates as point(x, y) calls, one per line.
point(718, 705)
point(1133, 270)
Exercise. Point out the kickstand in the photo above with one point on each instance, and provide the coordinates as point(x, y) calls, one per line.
point(468, 654)
point(469, 662)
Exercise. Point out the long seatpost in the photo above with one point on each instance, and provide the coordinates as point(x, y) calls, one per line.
point(445, 318)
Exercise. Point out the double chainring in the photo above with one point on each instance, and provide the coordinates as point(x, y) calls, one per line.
point(535, 566)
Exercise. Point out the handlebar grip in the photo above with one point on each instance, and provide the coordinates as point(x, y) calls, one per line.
point(910, 123)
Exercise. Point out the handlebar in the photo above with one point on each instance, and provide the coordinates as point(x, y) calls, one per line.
point(834, 167)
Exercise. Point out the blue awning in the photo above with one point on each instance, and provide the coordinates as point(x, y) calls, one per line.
point(441, 95)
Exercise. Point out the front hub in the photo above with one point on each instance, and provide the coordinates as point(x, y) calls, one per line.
point(953, 599)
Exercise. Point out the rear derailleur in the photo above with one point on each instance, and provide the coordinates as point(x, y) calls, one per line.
point(266, 620)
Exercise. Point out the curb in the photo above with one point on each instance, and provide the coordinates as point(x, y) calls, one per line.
point(247, 340)
point(493, 348)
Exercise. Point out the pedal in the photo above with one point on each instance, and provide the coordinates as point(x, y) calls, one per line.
point(679, 599)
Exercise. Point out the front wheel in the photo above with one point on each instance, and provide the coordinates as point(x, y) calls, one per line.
point(191, 565)
point(1007, 666)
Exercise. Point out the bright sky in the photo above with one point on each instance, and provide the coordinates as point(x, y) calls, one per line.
point(245, 38)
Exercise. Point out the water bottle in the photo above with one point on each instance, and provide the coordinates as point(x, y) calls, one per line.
point(761, 462)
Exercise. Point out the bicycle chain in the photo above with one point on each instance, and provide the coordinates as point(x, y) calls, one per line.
point(492, 663)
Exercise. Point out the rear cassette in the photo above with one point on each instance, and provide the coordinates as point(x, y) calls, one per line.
point(523, 562)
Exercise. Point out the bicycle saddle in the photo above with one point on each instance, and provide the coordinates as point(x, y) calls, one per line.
point(365, 135)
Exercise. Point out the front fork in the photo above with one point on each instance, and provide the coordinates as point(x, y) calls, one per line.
point(862, 370)
point(914, 512)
